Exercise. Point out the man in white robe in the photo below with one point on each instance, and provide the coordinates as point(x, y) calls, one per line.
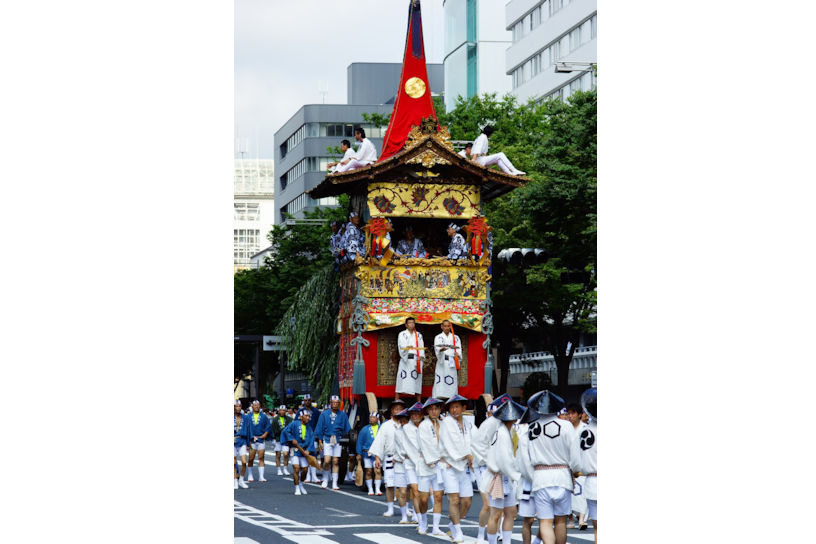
point(553, 456)
point(448, 348)
point(413, 457)
point(383, 449)
point(466, 151)
point(429, 471)
point(503, 476)
point(587, 441)
point(348, 154)
point(411, 348)
point(479, 154)
point(457, 458)
point(365, 155)
point(579, 504)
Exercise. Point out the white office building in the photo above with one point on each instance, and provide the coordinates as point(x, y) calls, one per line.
point(254, 208)
point(475, 45)
point(546, 32)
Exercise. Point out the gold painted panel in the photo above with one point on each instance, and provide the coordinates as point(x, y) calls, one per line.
point(424, 200)
point(452, 282)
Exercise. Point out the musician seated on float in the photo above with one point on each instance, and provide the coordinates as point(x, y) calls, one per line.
point(364, 156)
point(348, 154)
point(410, 246)
point(467, 151)
point(457, 249)
point(479, 154)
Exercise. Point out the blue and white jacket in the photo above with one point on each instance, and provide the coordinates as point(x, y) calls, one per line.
point(294, 431)
point(258, 429)
point(332, 424)
point(364, 441)
point(242, 431)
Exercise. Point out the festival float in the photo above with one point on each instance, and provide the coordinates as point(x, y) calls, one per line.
point(421, 182)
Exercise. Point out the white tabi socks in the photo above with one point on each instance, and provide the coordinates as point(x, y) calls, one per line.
point(423, 523)
point(335, 475)
point(492, 539)
point(390, 511)
point(537, 540)
point(377, 484)
point(481, 534)
point(370, 488)
point(325, 483)
point(260, 474)
point(436, 518)
point(236, 482)
point(507, 536)
point(404, 512)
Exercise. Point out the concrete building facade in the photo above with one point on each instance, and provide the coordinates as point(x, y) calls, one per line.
point(300, 144)
point(545, 32)
point(253, 208)
point(475, 44)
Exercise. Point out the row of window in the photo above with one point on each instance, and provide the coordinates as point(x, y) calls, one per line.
point(309, 164)
point(246, 243)
point(536, 16)
point(586, 82)
point(560, 48)
point(303, 201)
point(254, 176)
point(247, 211)
point(329, 130)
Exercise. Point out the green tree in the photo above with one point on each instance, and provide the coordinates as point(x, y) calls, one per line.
point(555, 142)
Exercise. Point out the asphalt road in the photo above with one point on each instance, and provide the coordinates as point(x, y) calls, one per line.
point(270, 512)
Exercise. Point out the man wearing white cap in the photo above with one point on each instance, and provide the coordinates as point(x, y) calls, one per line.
point(364, 441)
point(332, 425)
point(314, 416)
point(448, 348)
point(353, 240)
point(553, 455)
point(258, 431)
point(383, 449)
point(457, 249)
point(411, 347)
point(239, 442)
point(278, 424)
point(298, 433)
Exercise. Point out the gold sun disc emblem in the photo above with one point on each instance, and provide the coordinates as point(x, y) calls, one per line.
point(415, 87)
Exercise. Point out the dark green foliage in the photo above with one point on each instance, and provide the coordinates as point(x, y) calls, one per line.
point(535, 382)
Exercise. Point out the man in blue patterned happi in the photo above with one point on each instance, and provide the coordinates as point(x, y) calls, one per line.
point(332, 425)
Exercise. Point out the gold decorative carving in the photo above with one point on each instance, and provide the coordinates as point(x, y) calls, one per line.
point(427, 159)
point(449, 282)
point(441, 200)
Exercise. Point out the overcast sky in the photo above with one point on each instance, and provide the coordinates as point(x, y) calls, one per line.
point(285, 50)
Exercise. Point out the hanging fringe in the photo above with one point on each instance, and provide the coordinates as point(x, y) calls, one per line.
point(488, 375)
point(358, 385)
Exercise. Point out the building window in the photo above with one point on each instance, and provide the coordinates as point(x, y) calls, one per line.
point(246, 243)
point(575, 39)
point(586, 31)
point(518, 31)
point(594, 21)
point(247, 211)
point(284, 181)
point(555, 6)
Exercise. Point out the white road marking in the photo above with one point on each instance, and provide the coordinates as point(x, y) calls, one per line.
point(245, 540)
point(590, 537)
point(387, 537)
point(341, 513)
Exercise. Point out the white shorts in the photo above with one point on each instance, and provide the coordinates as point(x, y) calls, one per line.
point(389, 477)
point(240, 451)
point(399, 479)
point(458, 481)
point(411, 476)
point(298, 460)
point(506, 502)
point(592, 505)
point(552, 501)
point(526, 509)
point(368, 462)
point(427, 484)
point(259, 445)
point(331, 451)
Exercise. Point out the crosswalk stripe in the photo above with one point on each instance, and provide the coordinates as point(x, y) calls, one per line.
point(245, 540)
point(386, 537)
point(309, 539)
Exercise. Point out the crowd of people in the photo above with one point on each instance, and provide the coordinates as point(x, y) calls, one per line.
point(533, 462)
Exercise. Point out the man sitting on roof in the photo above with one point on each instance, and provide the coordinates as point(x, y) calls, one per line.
point(348, 154)
point(467, 151)
point(479, 154)
point(364, 156)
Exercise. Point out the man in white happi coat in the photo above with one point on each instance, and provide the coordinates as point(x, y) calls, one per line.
point(411, 348)
point(587, 441)
point(365, 155)
point(457, 459)
point(348, 155)
point(429, 471)
point(502, 476)
point(479, 154)
point(579, 504)
point(552, 458)
point(480, 438)
point(400, 459)
point(466, 151)
point(383, 449)
point(413, 457)
point(448, 348)
point(526, 503)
